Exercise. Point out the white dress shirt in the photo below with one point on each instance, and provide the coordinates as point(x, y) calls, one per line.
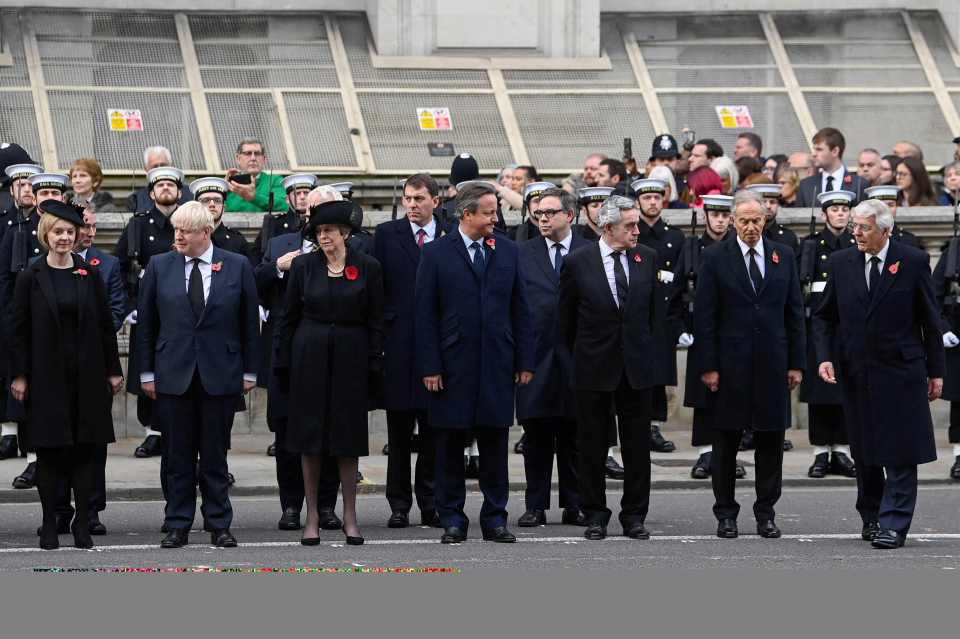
point(837, 180)
point(882, 254)
point(430, 229)
point(564, 246)
point(469, 244)
point(744, 249)
point(606, 254)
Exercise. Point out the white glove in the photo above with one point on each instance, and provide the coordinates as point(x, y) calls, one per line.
point(264, 314)
point(131, 319)
point(950, 340)
point(685, 341)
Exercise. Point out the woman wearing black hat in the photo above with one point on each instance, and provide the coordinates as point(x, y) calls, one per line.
point(331, 352)
point(65, 366)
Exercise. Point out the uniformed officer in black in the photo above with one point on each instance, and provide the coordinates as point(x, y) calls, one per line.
point(889, 194)
point(774, 231)
point(717, 211)
point(360, 239)
point(827, 429)
point(531, 202)
point(297, 186)
point(21, 204)
point(212, 193)
point(147, 234)
point(10, 154)
point(19, 244)
point(946, 286)
point(591, 200)
point(668, 243)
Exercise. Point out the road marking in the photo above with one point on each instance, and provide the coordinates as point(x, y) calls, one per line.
point(523, 540)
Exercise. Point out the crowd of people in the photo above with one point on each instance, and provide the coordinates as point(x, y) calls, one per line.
point(568, 323)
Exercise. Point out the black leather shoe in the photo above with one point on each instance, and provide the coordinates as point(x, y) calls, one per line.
point(787, 445)
point(870, 530)
point(746, 440)
point(701, 470)
point(272, 450)
point(472, 470)
point(532, 519)
point(385, 450)
point(398, 520)
point(430, 518)
point(151, 447)
point(658, 443)
point(768, 530)
point(329, 520)
point(740, 472)
point(727, 529)
point(842, 465)
point(289, 520)
point(500, 534)
point(222, 538)
point(9, 447)
point(63, 525)
point(27, 479)
point(573, 517)
point(821, 464)
point(887, 540)
point(636, 531)
point(81, 537)
point(176, 538)
point(96, 527)
point(613, 470)
point(521, 444)
point(595, 532)
point(48, 538)
point(453, 535)
point(955, 470)
point(231, 480)
point(359, 477)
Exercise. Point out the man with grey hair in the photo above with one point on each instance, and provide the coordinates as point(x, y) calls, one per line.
point(879, 302)
point(153, 157)
point(251, 189)
point(749, 328)
point(607, 317)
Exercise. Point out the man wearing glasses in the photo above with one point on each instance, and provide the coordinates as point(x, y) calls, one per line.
point(252, 190)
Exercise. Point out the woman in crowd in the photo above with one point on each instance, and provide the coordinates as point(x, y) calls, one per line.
point(773, 163)
point(65, 367)
point(727, 170)
point(888, 169)
point(914, 183)
point(789, 180)
point(331, 356)
point(664, 174)
point(951, 185)
point(700, 182)
point(86, 178)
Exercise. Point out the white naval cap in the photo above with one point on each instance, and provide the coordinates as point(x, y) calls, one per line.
point(50, 181)
point(209, 185)
point(768, 191)
point(594, 194)
point(836, 198)
point(19, 171)
point(299, 181)
point(484, 183)
point(718, 203)
point(534, 189)
point(885, 192)
point(344, 188)
point(169, 173)
point(648, 185)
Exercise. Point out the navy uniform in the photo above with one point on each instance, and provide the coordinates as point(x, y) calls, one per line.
point(531, 197)
point(889, 194)
point(827, 427)
point(147, 234)
point(18, 246)
point(946, 287)
point(360, 240)
point(774, 231)
point(289, 221)
point(668, 243)
point(223, 236)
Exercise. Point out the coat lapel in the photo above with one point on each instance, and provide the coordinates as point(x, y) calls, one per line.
point(83, 287)
point(886, 277)
point(407, 242)
point(46, 287)
point(459, 247)
point(216, 258)
point(768, 266)
point(600, 275)
point(543, 260)
point(489, 252)
point(740, 267)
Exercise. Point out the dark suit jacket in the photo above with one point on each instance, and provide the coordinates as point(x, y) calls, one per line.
point(221, 346)
point(752, 339)
point(811, 187)
point(472, 328)
point(548, 395)
point(109, 268)
point(607, 341)
point(883, 348)
point(37, 354)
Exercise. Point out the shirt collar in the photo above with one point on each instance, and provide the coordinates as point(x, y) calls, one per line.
point(207, 256)
point(430, 229)
point(565, 242)
point(744, 247)
point(83, 254)
point(882, 253)
point(466, 240)
point(605, 249)
point(837, 177)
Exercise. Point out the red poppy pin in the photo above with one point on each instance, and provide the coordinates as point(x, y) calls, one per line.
point(216, 266)
point(637, 258)
point(894, 267)
point(847, 179)
point(82, 272)
point(492, 243)
point(775, 257)
point(95, 261)
point(351, 273)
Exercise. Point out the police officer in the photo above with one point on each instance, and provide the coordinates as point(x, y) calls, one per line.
point(212, 193)
point(147, 234)
point(774, 231)
point(19, 244)
point(297, 186)
point(716, 210)
point(667, 242)
point(591, 199)
point(827, 427)
point(889, 194)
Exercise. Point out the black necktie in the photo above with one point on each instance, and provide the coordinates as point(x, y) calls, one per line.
point(829, 183)
point(755, 275)
point(620, 277)
point(874, 274)
point(477, 256)
point(195, 290)
point(557, 257)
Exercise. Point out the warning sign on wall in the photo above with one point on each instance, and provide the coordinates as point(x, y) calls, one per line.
point(434, 119)
point(125, 119)
point(734, 117)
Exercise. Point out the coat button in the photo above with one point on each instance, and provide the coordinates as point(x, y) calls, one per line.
point(668, 262)
point(285, 225)
point(151, 220)
point(669, 245)
point(781, 231)
point(151, 238)
point(824, 275)
point(36, 250)
point(823, 257)
point(33, 232)
point(823, 242)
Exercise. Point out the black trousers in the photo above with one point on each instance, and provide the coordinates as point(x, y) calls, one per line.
point(544, 438)
point(98, 489)
point(71, 466)
point(768, 457)
point(702, 433)
point(400, 424)
point(289, 468)
point(954, 432)
point(450, 488)
point(658, 404)
point(827, 426)
point(633, 418)
point(196, 424)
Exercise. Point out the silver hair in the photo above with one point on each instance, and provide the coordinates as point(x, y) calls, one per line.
point(665, 174)
point(469, 198)
point(875, 209)
point(613, 206)
point(745, 196)
point(151, 151)
point(323, 193)
point(726, 168)
point(192, 216)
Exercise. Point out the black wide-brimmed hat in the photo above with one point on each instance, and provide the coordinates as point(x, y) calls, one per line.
point(64, 211)
point(336, 212)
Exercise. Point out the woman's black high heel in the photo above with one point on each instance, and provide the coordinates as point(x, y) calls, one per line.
point(310, 541)
point(352, 541)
